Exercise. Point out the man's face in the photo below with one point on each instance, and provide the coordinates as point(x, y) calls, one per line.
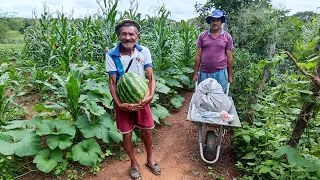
point(128, 36)
point(215, 23)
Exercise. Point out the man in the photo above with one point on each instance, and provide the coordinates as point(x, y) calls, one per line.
point(130, 115)
point(214, 54)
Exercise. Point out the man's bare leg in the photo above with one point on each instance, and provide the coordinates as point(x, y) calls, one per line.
point(147, 140)
point(128, 147)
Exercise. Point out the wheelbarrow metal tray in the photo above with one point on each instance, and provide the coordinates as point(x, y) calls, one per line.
point(233, 111)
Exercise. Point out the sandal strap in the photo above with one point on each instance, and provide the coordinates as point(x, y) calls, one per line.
point(134, 173)
point(155, 168)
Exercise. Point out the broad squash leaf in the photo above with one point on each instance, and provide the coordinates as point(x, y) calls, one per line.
point(162, 88)
point(46, 160)
point(115, 134)
point(177, 101)
point(23, 124)
point(155, 98)
point(160, 111)
point(56, 127)
point(86, 152)
point(23, 142)
point(94, 108)
point(155, 118)
point(184, 79)
point(174, 83)
point(62, 141)
point(99, 128)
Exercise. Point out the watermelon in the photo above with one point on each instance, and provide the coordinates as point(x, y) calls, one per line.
point(131, 88)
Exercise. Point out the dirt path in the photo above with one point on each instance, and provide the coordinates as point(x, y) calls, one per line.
point(176, 149)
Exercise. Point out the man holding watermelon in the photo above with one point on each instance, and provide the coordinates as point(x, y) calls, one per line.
point(126, 58)
point(214, 54)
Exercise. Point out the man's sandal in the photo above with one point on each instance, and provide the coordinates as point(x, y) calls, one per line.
point(135, 173)
point(155, 169)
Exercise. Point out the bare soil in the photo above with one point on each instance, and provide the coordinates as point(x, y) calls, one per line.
point(176, 149)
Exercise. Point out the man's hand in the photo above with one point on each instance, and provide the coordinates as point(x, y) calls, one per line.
point(230, 79)
point(147, 99)
point(130, 107)
point(195, 77)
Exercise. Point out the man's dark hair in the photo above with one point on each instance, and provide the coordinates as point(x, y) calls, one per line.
point(127, 23)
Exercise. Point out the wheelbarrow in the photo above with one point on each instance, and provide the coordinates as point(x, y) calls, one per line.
point(213, 141)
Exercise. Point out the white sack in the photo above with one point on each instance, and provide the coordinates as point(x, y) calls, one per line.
point(209, 96)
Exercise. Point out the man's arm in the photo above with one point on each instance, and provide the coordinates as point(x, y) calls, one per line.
point(197, 64)
point(151, 87)
point(229, 62)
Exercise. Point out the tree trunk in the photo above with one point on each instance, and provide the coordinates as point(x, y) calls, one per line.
point(303, 120)
point(308, 107)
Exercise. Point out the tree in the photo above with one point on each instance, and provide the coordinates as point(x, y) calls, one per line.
point(306, 15)
point(229, 7)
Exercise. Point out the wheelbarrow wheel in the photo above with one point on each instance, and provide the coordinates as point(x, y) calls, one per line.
point(210, 147)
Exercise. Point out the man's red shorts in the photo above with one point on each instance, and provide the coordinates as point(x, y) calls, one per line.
point(127, 120)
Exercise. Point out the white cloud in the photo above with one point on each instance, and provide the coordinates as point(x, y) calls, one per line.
point(180, 9)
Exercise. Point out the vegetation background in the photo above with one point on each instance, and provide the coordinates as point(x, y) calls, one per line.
point(57, 61)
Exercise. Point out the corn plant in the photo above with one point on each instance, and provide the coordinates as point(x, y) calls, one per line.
point(5, 99)
point(188, 38)
point(132, 13)
point(66, 46)
point(108, 22)
point(40, 42)
point(39, 79)
point(159, 38)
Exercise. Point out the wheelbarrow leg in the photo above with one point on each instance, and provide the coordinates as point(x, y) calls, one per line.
point(200, 127)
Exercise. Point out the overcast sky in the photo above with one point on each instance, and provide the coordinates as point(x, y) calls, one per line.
point(180, 9)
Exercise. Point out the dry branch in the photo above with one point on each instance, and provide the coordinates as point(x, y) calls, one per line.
point(315, 79)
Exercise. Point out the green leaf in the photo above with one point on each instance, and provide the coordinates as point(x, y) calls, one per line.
point(23, 124)
point(265, 169)
point(93, 85)
point(155, 98)
point(86, 152)
point(174, 82)
point(57, 127)
point(99, 127)
point(62, 141)
point(116, 136)
point(177, 101)
point(47, 160)
point(257, 107)
point(155, 118)
point(160, 111)
point(94, 108)
point(162, 88)
point(274, 175)
point(246, 138)
point(42, 107)
point(250, 155)
point(134, 137)
point(187, 70)
point(303, 91)
point(23, 142)
point(106, 101)
point(184, 79)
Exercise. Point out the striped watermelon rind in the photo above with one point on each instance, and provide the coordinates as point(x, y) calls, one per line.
point(131, 88)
